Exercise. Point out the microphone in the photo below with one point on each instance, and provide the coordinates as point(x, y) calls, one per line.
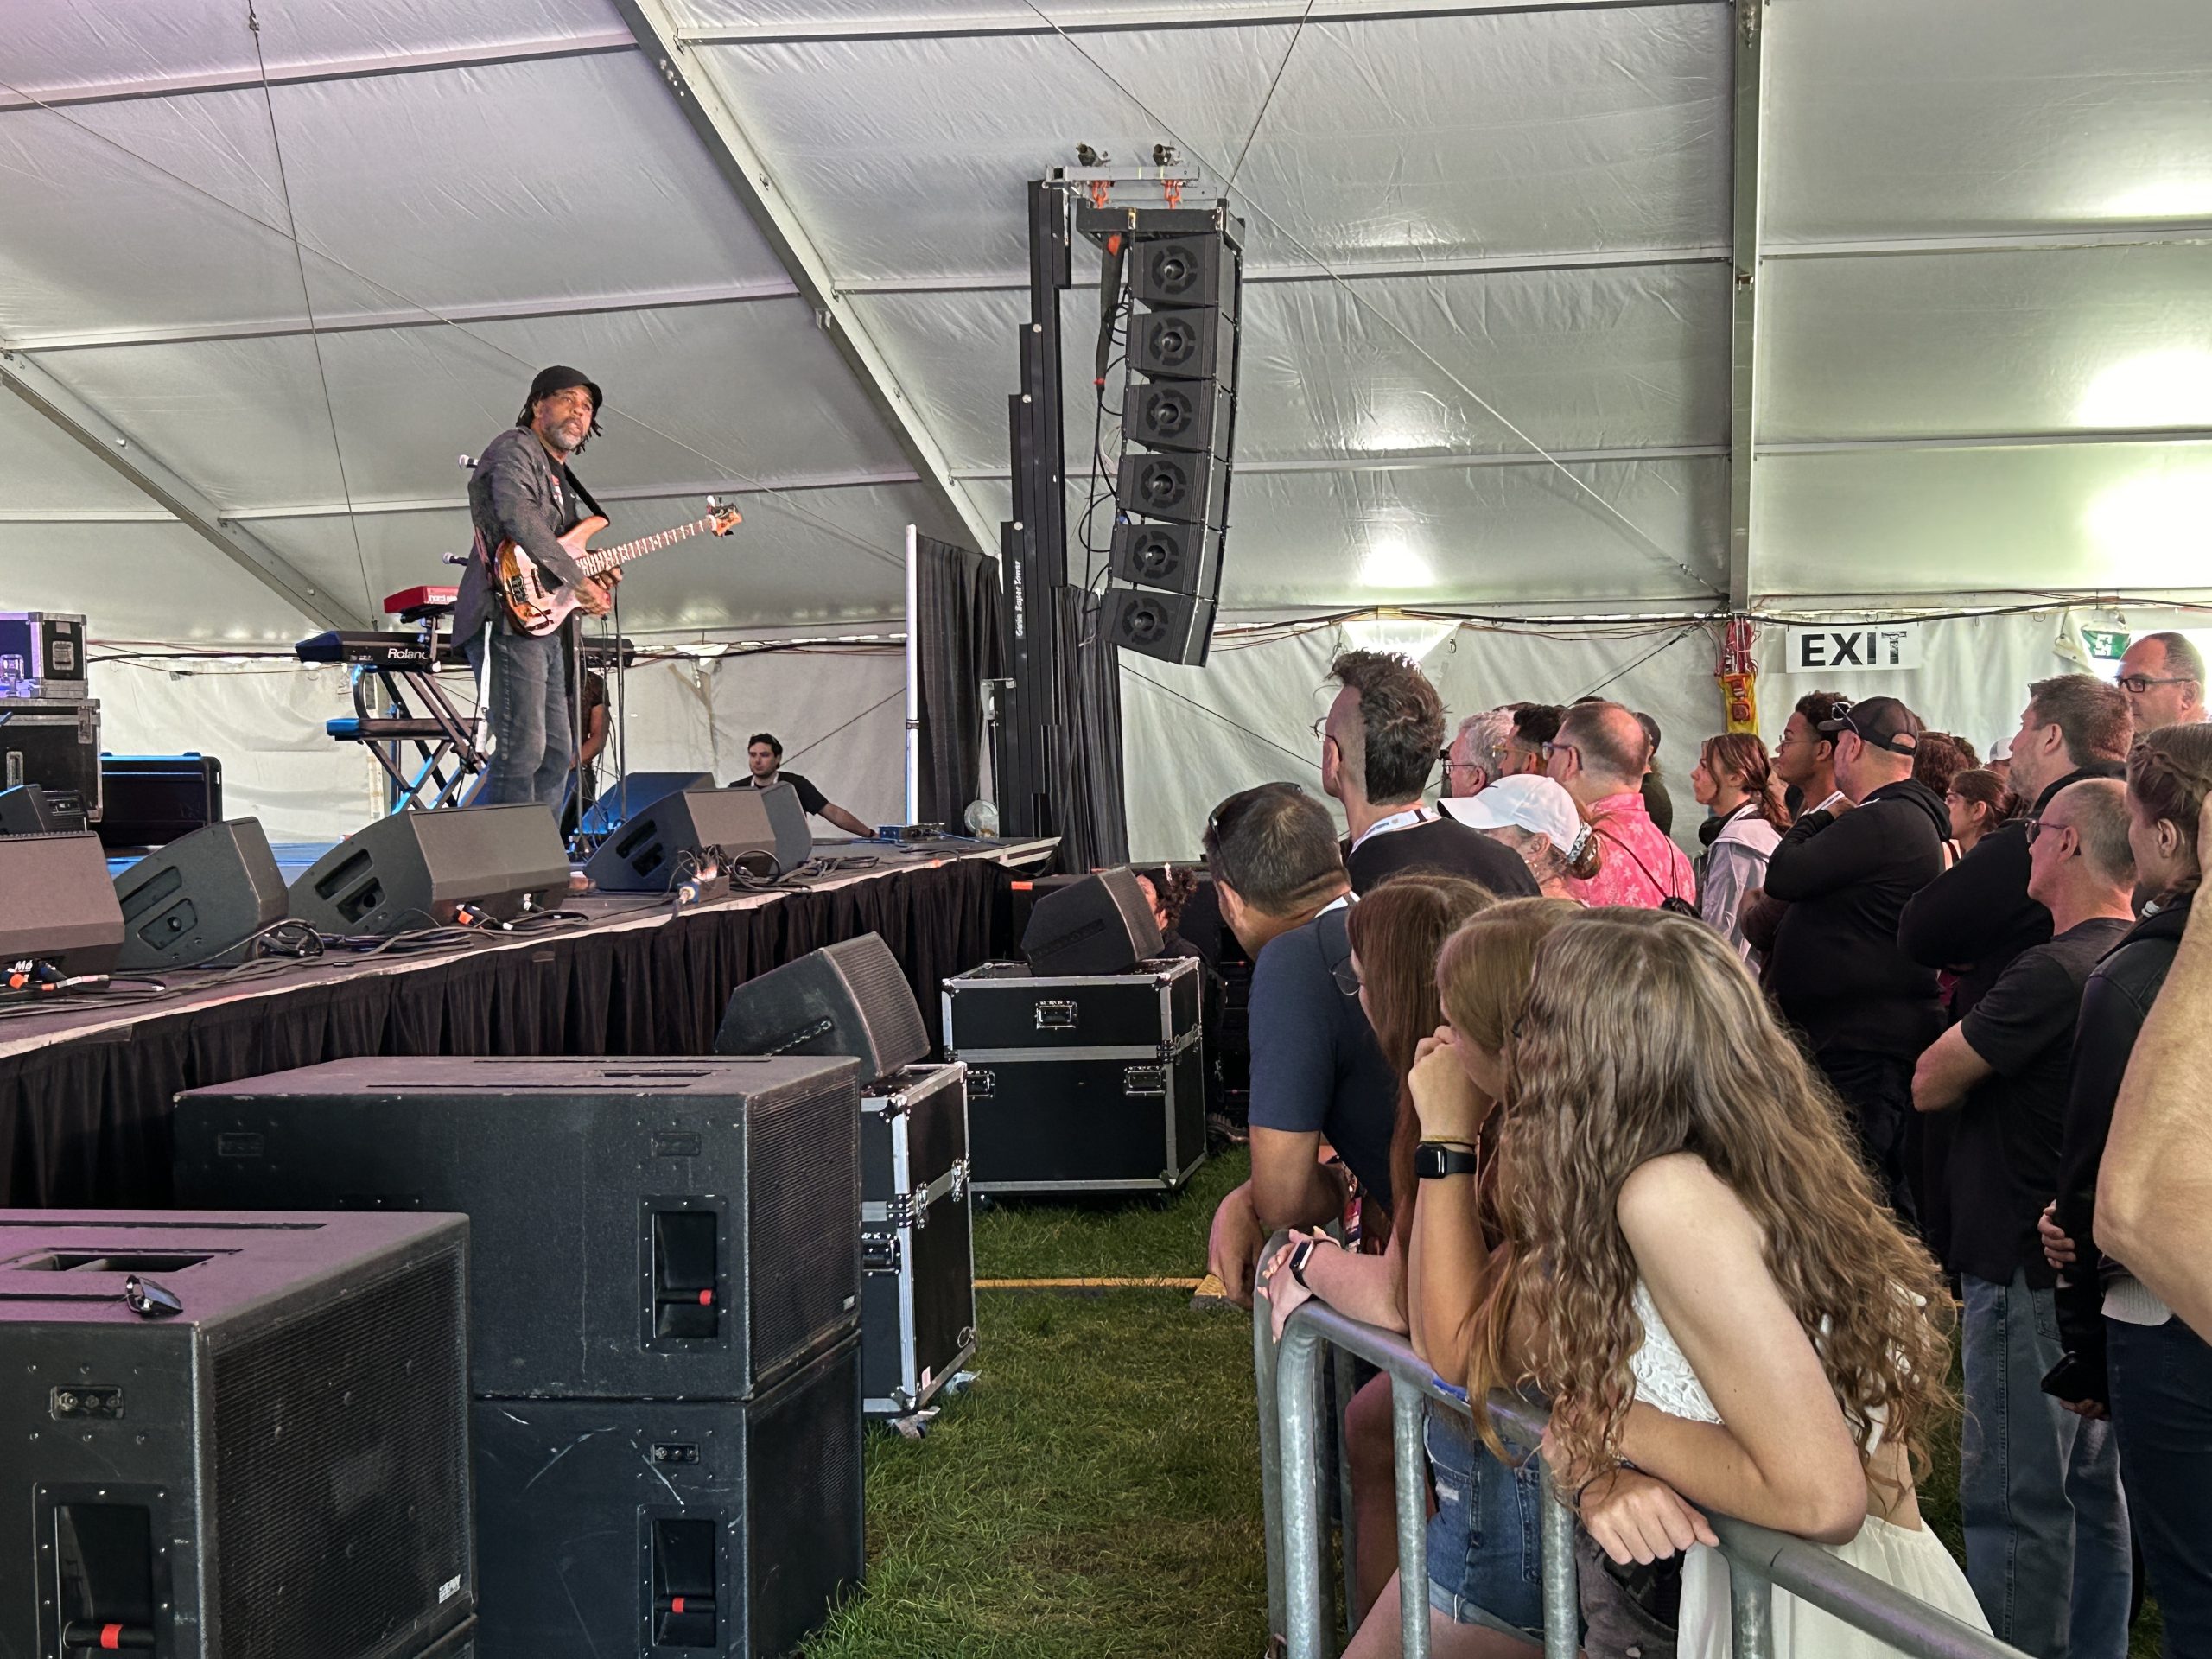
point(467, 463)
point(454, 558)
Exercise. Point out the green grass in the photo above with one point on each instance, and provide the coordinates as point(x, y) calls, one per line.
point(1096, 1491)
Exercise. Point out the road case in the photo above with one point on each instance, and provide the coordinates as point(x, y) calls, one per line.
point(918, 1294)
point(54, 742)
point(1094, 1083)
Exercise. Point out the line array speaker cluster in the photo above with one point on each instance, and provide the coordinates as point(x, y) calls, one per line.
point(1179, 421)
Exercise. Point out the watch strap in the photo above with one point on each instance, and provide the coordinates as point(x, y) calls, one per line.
point(1433, 1160)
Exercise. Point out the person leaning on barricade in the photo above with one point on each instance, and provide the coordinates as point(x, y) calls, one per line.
point(1708, 1233)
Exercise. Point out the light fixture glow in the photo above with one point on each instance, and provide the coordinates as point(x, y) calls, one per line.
point(2169, 387)
point(1394, 565)
point(2154, 530)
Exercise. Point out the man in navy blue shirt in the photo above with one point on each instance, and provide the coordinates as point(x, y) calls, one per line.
point(1317, 1070)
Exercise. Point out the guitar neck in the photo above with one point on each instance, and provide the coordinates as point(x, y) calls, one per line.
point(602, 559)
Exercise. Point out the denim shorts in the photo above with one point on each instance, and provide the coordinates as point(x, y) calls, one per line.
point(1484, 1541)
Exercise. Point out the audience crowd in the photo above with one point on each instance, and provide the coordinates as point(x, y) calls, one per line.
point(1736, 1163)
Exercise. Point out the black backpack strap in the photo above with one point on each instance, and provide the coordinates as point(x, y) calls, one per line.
point(1667, 888)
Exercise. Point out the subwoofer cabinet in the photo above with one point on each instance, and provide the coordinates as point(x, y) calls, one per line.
point(234, 1436)
point(1091, 1084)
point(666, 1529)
point(643, 1229)
point(918, 1300)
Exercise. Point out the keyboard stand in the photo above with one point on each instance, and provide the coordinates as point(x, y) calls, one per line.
point(386, 721)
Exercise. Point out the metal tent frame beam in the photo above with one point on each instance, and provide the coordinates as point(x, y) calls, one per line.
point(1744, 307)
point(719, 126)
point(1017, 21)
point(597, 44)
point(42, 391)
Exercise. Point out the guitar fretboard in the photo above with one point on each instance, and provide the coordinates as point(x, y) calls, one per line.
point(606, 558)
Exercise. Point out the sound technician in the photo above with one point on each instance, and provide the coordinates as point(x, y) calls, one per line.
point(764, 756)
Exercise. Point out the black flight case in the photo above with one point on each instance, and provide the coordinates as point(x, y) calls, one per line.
point(1092, 1084)
point(918, 1292)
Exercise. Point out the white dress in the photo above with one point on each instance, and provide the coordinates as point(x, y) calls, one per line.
point(1913, 1559)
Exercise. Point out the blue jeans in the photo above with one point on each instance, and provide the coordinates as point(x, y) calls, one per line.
point(2161, 1382)
point(2046, 1527)
point(533, 734)
point(1486, 1539)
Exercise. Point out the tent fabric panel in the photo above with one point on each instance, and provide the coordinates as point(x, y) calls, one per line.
point(706, 395)
point(76, 46)
point(1438, 137)
point(1896, 118)
point(1582, 360)
point(153, 581)
point(43, 469)
point(2039, 519)
point(2049, 341)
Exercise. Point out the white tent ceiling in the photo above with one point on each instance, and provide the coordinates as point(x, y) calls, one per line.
point(1984, 303)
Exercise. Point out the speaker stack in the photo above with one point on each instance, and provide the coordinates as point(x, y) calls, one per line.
point(234, 1435)
point(1179, 421)
point(665, 1286)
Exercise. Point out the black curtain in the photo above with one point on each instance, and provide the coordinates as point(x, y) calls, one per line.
point(957, 595)
point(1085, 783)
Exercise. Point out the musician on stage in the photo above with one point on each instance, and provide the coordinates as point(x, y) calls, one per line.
point(523, 491)
point(764, 759)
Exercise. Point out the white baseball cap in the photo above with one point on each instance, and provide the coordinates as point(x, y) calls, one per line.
point(1529, 801)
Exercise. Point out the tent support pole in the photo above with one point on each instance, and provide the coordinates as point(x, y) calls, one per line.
point(42, 392)
point(746, 171)
point(1742, 391)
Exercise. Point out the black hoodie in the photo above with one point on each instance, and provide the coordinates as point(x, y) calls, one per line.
point(2114, 1004)
point(1836, 969)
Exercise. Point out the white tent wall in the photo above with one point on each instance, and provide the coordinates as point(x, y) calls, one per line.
point(838, 710)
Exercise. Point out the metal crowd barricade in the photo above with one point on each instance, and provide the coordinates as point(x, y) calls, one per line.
point(1288, 1375)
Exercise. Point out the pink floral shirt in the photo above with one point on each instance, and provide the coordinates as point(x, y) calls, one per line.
point(1625, 834)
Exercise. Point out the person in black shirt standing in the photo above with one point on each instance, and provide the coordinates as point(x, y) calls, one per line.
point(764, 757)
point(1379, 742)
point(2046, 1530)
point(521, 491)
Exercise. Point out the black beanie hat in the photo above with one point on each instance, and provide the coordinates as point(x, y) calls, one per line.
point(560, 377)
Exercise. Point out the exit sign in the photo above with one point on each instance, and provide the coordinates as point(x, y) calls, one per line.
point(2105, 645)
point(1886, 647)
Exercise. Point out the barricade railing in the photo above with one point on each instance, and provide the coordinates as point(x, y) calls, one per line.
point(1288, 1375)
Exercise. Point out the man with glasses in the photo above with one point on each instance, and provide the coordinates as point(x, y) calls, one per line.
point(1482, 752)
point(2163, 677)
point(1864, 1009)
point(2046, 1531)
point(1601, 757)
point(1805, 762)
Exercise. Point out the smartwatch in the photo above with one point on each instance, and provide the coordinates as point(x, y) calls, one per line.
point(1296, 1266)
point(1434, 1160)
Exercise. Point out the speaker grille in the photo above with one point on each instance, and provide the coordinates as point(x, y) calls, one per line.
point(802, 1495)
point(340, 1461)
point(803, 1165)
point(886, 1000)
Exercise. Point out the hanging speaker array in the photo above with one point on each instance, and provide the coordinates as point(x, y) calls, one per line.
point(1179, 423)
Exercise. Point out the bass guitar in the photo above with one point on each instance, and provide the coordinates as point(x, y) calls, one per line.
point(539, 605)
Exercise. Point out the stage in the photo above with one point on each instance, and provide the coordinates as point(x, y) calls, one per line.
point(85, 1089)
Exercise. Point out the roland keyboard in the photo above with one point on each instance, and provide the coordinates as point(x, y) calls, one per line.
point(365, 650)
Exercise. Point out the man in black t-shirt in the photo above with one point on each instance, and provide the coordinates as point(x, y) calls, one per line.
point(2046, 1531)
point(764, 756)
point(1379, 742)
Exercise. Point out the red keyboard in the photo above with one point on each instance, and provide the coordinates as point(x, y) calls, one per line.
point(414, 598)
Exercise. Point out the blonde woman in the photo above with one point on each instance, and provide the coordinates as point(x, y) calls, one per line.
point(1716, 1297)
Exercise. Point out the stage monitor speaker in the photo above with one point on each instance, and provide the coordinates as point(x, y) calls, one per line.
point(655, 848)
point(695, 1527)
point(234, 1435)
point(1182, 345)
point(1188, 489)
point(151, 800)
point(415, 869)
point(1180, 414)
point(625, 798)
point(851, 998)
point(1174, 627)
point(1179, 558)
point(201, 899)
point(25, 810)
point(57, 904)
point(640, 1229)
point(1185, 271)
point(1103, 924)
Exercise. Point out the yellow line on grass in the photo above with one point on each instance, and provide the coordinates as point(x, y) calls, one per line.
point(1088, 1284)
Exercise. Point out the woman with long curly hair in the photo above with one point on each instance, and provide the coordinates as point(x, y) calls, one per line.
point(1484, 1596)
point(1715, 1294)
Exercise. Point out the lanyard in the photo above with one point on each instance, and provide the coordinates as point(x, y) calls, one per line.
point(1405, 820)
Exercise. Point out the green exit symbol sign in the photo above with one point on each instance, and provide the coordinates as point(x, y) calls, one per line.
point(2106, 643)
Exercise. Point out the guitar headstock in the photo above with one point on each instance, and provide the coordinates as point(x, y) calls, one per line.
point(721, 520)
